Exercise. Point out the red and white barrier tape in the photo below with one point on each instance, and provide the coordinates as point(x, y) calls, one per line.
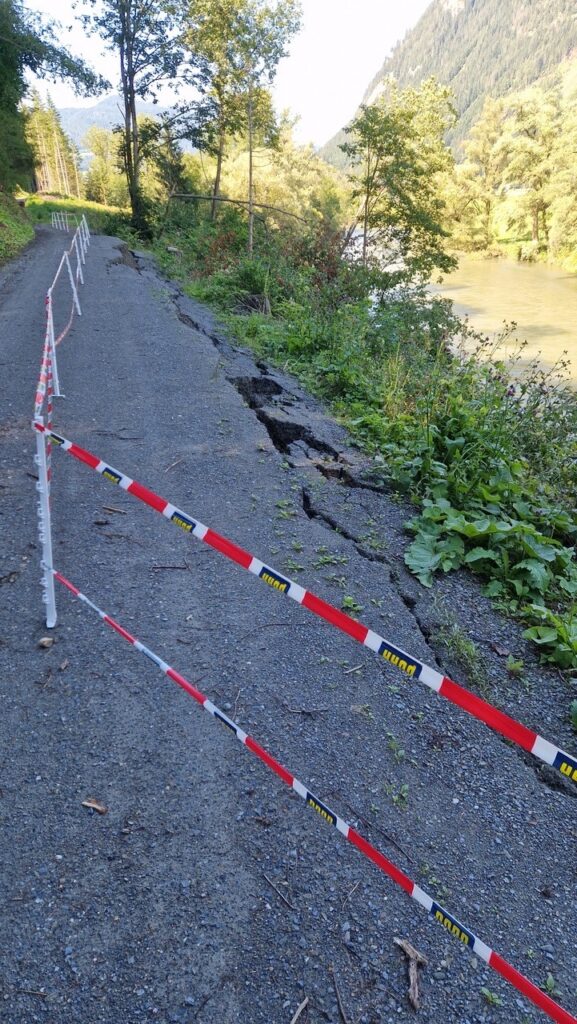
point(447, 920)
point(415, 669)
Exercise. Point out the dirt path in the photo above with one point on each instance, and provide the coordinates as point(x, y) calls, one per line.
point(160, 909)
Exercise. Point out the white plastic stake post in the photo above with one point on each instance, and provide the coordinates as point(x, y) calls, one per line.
point(73, 285)
point(52, 346)
point(45, 528)
point(80, 242)
point(86, 228)
point(79, 261)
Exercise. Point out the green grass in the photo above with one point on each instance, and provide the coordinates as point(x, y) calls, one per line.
point(99, 217)
point(15, 228)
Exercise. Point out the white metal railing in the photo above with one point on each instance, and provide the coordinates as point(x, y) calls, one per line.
point(48, 387)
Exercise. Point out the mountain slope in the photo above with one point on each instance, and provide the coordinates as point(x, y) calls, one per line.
point(479, 48)
point(105, 114)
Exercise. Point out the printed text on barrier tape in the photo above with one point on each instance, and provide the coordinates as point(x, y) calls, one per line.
point(450, 923)
point(475, 706)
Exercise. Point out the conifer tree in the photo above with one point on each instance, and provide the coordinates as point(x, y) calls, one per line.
point(28, 44)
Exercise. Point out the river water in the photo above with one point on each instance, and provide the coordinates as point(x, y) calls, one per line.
point(541, 300)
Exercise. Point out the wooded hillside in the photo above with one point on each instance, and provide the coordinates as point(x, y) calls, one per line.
point(479, 48)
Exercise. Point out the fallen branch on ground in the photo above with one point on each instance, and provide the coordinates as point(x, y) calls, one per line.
point(302, 1006)
point(416, 960)
point(279, 893)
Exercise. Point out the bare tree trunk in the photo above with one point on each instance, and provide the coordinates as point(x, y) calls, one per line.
point(44, 170)
point(366, 212)
point(488, 217)
point(219, 160)
point(57, 163)
point(61, 166)
point(250, 173)
point(131, 133)
point(75, 162)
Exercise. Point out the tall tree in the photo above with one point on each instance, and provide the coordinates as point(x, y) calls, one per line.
point(532, 127)
point(487, 160)
point(104, 180)
point(241, 43)
point(264, 32)
point(563, 189)
point(55, 156)
point(28, 44)
point(398, 152)
point(211, 35)
point(147, 36)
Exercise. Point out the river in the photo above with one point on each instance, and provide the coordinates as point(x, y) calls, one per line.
point(541, 300)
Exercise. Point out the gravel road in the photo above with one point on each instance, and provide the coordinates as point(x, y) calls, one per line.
point(208, 892)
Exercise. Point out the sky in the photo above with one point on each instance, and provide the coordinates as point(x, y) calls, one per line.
point(341, 46)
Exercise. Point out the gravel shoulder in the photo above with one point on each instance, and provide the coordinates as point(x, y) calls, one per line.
point(164, 908)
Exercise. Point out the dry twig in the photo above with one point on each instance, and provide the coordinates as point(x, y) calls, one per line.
point(265, 625)
point(416, 960)
point(279, 893)
point(305, 711)
point(344, 1017)
point(302, 1006)
point(348, 896)
point(372, 824)
point(155, 568)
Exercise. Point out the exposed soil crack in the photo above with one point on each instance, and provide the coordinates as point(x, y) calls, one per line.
point(126, 257)
point(333, 524)
point(286, 431)
point(196, 326)
point(372, 556)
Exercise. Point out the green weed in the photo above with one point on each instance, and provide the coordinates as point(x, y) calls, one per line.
point(491, 997)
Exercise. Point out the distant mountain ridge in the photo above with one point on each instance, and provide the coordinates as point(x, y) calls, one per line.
point(105, 114)
point(478, 48)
